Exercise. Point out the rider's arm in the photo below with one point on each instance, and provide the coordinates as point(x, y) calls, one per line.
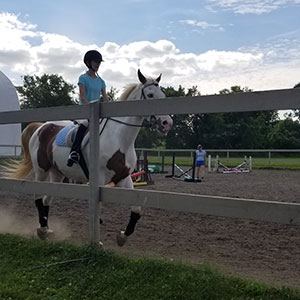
point(82, 93)
point(104, 95)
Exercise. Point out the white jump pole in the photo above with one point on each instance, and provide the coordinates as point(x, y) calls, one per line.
point(209, 163)
point(216, 163)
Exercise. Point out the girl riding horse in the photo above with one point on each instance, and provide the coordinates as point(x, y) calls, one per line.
point(117, 157)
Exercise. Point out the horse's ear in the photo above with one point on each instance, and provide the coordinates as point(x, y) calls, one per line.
point(142, 78)
point(158, 78)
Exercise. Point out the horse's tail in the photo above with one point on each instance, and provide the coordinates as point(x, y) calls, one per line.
point(19, 169)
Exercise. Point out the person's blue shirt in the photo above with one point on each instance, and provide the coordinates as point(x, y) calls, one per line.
point(200, 155)
point(93, 87)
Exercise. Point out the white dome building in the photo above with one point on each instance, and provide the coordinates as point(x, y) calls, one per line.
point(10, 134)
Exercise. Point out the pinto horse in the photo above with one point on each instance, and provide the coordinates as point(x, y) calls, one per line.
point(117, 158)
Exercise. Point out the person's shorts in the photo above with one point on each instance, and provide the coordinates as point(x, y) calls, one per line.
point(200, 163)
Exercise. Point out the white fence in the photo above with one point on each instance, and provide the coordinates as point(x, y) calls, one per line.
point(268, 154)
point(288, 213)
point(10, 150)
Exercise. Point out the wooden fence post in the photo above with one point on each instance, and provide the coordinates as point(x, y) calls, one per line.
point(94, 195)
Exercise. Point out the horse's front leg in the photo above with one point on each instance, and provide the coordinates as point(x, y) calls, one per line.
point(43, 205)
point(134, 216)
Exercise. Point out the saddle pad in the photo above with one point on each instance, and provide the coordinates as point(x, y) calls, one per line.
point(61, 138)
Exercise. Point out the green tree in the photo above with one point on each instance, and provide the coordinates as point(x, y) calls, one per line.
point(246, 129)
point(215, 131)
point(285, 134)
point(45, 91)
point(111, 95)
point(179, 135)
point(229, 130)
point(149, 138)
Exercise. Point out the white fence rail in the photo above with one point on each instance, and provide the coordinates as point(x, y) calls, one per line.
point(162, 153)
point(12, 150)
point(221, 206)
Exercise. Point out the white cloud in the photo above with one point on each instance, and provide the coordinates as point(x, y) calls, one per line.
point(251, 6)
point(202, 25)
point(25, 50)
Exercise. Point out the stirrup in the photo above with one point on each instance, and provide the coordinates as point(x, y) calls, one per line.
point(73, 158)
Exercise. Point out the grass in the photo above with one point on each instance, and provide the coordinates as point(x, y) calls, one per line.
point(32, 269)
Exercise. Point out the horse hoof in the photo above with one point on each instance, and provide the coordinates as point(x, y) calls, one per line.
point(44, 233)
point(121, 238)
point(136, 209)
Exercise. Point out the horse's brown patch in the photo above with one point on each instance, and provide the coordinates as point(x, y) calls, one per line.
point(46, 136)
point(117, 164)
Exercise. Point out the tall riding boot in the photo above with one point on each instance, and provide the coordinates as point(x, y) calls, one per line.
point(74, 155)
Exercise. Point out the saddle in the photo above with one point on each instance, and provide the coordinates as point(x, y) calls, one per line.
point(66, 136)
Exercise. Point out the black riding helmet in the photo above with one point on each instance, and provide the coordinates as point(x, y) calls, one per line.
point(92, 55)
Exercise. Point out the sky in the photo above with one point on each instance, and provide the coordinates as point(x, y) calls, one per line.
point(211, 44)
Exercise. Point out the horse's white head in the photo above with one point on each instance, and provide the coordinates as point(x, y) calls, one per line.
point(150, 87)
point(147, 90)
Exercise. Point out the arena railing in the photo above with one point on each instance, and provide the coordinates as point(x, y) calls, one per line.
point(288, 213)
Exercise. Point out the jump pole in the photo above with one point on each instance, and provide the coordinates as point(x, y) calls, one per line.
point(194, 166)
point(173, 166)
point(209, 163)
point(163, 162)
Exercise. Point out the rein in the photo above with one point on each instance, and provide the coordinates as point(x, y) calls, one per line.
point(124, 123)
point(150, 124)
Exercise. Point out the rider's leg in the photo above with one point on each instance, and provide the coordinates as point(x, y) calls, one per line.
point(74, 155)
point(197, 171)
point(202, 171)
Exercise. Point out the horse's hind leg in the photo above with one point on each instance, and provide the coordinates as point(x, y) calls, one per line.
point(134, 217)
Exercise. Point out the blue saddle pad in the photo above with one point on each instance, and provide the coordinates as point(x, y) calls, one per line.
point(61, 137)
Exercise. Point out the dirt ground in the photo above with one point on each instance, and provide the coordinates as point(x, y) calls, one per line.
point(262, 251)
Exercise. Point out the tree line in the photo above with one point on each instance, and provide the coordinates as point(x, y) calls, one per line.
point(241, 130)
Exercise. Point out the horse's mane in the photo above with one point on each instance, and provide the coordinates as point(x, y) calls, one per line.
point(127, 91)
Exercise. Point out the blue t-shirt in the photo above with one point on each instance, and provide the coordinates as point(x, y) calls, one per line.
point(200, 155)
point(93, 87)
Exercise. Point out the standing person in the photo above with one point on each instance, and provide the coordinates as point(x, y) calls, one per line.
point(200, 162)
point(91, 86)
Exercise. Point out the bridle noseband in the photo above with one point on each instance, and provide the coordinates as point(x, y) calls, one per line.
point(145, 86)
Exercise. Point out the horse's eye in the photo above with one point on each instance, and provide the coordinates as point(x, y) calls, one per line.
point(150, 95)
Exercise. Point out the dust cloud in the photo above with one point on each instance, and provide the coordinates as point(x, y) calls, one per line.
point(12, 224)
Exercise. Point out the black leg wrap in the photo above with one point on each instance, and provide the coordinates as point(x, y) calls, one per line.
point(134, 217)
point(43, 212)
point(46, 210)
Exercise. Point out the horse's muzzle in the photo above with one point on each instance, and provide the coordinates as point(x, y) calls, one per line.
point(165, 123)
